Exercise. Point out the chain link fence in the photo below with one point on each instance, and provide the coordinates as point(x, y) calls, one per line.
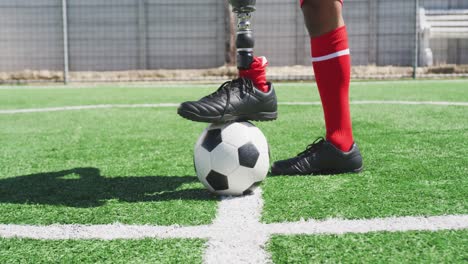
point(136, 40)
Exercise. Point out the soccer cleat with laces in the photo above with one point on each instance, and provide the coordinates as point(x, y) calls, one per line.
point(321, 157)
point(236, 100)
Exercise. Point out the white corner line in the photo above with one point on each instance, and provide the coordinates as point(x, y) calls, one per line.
point(236, 235)
point(391, 224)
point(170, 105)
point(85, 107)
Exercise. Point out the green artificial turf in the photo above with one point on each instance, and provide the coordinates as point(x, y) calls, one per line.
point(135, 165)
point(99, 167)
point(98, 251)
point(385, 247)
point(414, 156)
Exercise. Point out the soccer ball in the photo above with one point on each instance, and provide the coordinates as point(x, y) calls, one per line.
point(232, 158)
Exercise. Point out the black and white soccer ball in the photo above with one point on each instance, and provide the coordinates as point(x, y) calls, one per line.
point(232, 158)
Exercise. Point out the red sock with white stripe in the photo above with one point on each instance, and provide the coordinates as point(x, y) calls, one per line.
point(257, 73)
point(332, 67)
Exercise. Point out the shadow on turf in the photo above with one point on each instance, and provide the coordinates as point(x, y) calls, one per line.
point(85, 187)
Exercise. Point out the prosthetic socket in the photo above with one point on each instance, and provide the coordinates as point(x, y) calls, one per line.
point(245, 41)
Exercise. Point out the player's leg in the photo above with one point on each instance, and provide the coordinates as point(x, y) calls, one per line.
point(250, 97)
point(332, 65)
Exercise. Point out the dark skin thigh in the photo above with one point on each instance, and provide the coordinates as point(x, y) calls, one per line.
point(322, 16)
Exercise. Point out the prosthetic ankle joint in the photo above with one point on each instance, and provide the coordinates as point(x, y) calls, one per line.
point(245, 41)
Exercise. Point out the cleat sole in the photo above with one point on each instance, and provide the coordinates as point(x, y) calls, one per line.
point(321, 172)
point(260, 117)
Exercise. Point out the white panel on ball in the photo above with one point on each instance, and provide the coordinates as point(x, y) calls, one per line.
point(236, 134)
point(240, 180)
point(224, 159)
point(202, 161)
point(262, 167)
point(259, 139)
point(248, 124)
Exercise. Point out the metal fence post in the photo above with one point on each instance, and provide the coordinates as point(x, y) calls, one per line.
point(300, 39)
point(373, 25)
point(230, 29)
point(416, 39)
point(142, 35)
point(65, 41)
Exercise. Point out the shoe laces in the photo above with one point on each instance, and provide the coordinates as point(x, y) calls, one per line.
point(243, 84)
point(313, 147)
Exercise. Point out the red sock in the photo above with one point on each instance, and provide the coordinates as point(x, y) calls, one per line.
point(332, 67)
point(257, 73)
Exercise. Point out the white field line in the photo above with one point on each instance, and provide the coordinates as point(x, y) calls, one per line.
point(85, 107)
point(392, 224)
point(166, 105)
point(236, 235)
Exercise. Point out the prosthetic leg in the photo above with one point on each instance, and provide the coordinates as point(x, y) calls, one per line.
point(245, 41)
point(248, 97)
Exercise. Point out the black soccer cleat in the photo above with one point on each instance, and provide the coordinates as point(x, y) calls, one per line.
point(236, 100)
point(321, 157)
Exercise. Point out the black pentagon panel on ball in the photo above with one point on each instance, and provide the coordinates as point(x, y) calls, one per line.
point(212, 139)
point(248, 155)
point(217, 181)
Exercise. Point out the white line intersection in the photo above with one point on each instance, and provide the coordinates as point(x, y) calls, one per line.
point(236, 235)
